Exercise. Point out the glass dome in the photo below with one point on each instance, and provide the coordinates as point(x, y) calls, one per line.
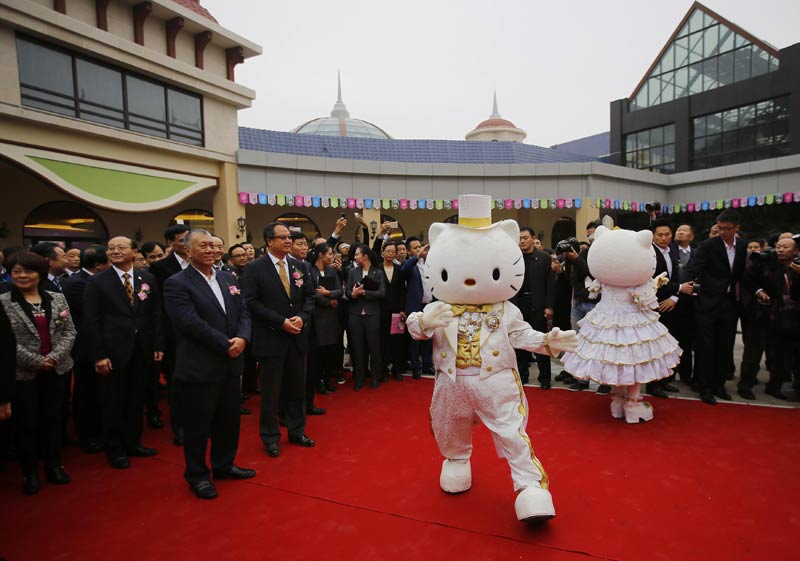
point(333, 126)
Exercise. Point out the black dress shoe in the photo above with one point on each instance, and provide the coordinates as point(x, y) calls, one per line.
point(31, 484)
point(244, 411)
point(330, 387)
point(91, 446)
point(776, 393)
point(722, 393)
point(315, 410)
point(119, 462)
point(321, 389)
point(397, 376)
point(747, 393)
point(155, 422)
point(177, 438)
point(358, 386)
point(567, 379)
point(658, 391)
point(579, 385)
point(428, 371)
point(302, 440)
point(670, 388)
point(273, 450)
point(140, 451)
point(604, 389)
point(373, 384)
point(706, 396)
point(204, 489)
point(544, 384)
point(57, 475)
point(234, 472)
point(417, 374)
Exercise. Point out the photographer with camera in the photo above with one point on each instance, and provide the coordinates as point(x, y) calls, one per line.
point(772, 280)
point(582, 300)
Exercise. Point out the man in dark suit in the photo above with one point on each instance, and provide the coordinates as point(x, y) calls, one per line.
point(717, 266)
point(122, 318)
point(86, 391)
point(667, 261)
point(280, 296)
point(416, 298)
point(683, 326)
point(173, 263)
point(535, 299)
point(212, 326)
point(56, 261)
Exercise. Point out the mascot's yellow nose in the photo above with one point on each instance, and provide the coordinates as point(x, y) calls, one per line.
point(470, 282)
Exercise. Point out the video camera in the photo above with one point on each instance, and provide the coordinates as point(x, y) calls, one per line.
point(564, 246)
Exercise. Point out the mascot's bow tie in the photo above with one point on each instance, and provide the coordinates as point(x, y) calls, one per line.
point(459, 309)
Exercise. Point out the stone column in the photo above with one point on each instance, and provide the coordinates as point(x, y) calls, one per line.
point(227, 208)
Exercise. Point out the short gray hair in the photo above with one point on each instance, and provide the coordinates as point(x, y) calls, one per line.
point(188, 240)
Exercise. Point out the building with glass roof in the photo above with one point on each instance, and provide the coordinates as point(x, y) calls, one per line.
point(341, 124)
point(714, 96)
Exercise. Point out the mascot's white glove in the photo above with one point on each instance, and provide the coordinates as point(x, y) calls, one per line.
point(559, 340)
point(594, 287)
point(436, 315)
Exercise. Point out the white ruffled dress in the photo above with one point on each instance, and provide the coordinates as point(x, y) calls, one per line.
point(621, 342)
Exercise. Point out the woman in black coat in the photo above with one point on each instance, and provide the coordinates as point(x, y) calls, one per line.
point(326, 331)
point(365, 290)
point(393, 345)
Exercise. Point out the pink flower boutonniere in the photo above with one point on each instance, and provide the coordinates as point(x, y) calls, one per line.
point(298, 278)
point(234, 290)
point(144, 291)
point(62, 317)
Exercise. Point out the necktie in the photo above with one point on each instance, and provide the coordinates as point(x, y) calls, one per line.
point(128, 287)
point(57, 283)
point(284, 278)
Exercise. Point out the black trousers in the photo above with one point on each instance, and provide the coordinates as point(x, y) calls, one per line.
point(284, 373)
point(122, 403)
point(366, 346)
point(321, 366)
point(151, 389)
point(173, 385)
point(250, 374)
point(781, 349)
point(394, 347)
point(535, 318)
point(86, 402)
point(715, 337)
point(212, 413)
point(684, 330)
point(37, 409)
point(422, 349)
point(754, 337)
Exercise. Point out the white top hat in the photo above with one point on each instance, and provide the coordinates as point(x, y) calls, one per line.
point(475, 211)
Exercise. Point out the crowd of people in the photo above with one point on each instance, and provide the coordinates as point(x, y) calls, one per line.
point(94, 330)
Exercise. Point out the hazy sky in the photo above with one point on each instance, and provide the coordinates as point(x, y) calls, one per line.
point(427, 69)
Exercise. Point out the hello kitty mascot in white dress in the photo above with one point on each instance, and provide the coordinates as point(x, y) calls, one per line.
point(621, 341)
point(474, 267)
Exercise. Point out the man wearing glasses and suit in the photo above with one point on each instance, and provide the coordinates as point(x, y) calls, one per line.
point(280, 296)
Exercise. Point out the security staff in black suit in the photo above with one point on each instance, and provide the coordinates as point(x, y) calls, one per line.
point(122, 314)
point(536, 300)
point(86, 390)
point(667, 262)
point(683, 328)
point(162, 269)
point(56, 261)
point(280, 296)
point(366, 297)
point(212, 326)
point(717, 266)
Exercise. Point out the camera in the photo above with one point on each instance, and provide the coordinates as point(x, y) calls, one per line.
point(341, 215)
point(564, 246)
point(765, 258)
point(653, 206)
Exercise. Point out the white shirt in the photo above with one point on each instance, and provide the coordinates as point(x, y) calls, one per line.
point(120, 272)
point(731, 250)
point(665, 253)
point(181, 262)
point(426, 284)
point(213, 284)
point(285, 264)
point(91, 274)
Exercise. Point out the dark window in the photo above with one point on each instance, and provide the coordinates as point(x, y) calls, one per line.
point(651, 149)
point(742, 134)
point(59, 81)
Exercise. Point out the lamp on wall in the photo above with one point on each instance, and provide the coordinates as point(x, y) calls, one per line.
point(373, 226)
point(241, 224)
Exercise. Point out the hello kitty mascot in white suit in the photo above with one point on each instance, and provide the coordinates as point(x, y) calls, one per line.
point(474, 267)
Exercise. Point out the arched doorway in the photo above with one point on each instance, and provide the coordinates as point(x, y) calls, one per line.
point(195, 218)
point(297, 220)
point(563, 228)
point(66, 223)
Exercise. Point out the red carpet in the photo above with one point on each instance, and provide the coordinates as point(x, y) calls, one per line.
point(699, 482)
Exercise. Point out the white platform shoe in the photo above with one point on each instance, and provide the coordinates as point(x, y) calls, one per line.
point(534, 504)
point(638, 412)
point(618, 407)
point(456, 476)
